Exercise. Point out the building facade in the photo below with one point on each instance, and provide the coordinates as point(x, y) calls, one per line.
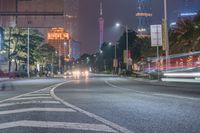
point(144, 15)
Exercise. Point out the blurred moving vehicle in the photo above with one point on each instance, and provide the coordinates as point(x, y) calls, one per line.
point(76, 73)
point(68, 74)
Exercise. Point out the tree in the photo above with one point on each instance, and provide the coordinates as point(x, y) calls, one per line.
point(44, 54)
point(16, 44)
point(185, 37)
point(135, 46)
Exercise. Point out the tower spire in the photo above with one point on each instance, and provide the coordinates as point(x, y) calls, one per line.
point(101, 8)
point(101, 26)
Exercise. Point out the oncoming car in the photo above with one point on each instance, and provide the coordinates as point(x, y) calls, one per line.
point(76, 74)
point(80, 73)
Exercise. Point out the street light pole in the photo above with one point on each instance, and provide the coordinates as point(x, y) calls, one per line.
point(116, 57)
point(126, 47)
point(28, 52)
point(166, 34)
point(126, 30)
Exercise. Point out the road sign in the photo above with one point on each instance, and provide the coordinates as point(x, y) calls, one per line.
point(156, 35)
point(115, 63)
point(130, 61)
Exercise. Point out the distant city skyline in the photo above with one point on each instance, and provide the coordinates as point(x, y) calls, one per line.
point(122, 11)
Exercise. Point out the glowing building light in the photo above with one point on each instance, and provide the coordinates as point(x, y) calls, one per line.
point(173, 24)
point(188, 14)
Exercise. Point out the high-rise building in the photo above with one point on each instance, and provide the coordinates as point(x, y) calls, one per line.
point(186, 11)
point(101, 26)
point(71, 16)
point(75, 50)
point(144, 14)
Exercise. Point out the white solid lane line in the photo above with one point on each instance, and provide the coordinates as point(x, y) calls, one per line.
point(36, 109)
point(155, 94)
point(29, 102)
point(91, 115)
point(63, 125)
point(37, 94)
point(30, 98)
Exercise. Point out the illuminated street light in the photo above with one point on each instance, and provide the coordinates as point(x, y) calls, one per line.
point(126, 29)
point(117, 24)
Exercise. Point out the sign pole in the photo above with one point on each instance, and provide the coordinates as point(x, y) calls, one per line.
point(157, 52)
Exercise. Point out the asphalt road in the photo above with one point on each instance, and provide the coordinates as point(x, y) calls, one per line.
point(99, 104)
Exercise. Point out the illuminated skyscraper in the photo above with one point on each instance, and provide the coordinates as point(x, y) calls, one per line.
point(187, 10)
point(71, 9)
point(144, 15)
point(101, 26)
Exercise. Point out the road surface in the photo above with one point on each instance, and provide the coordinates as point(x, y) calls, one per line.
point(99, 104)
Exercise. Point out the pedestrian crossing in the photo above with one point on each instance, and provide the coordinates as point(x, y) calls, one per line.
point(40, 109)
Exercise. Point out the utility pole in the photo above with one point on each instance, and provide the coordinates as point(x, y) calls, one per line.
point(127, 58)
point(166, 35)
point(9, 61)
point(28, 55)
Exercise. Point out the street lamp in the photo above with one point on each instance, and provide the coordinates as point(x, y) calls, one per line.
point(166, 34)
point(126, 28)
point(115, 58)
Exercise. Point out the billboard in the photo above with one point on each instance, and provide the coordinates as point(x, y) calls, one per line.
point(156, 35)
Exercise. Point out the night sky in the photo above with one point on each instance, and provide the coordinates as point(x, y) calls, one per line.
point(118, 11)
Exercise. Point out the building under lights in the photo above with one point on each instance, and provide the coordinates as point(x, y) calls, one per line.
point(144, 16)
point(185, 12)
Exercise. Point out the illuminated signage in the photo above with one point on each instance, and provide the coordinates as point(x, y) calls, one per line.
point(58, 34)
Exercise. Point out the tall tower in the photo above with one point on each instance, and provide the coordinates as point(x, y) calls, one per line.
point(101, 26)
point(144, 16)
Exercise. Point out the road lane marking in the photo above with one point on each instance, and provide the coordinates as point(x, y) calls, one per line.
point(101, 119)
point(63, 125)
point(155, 94)
point(37, 91)
point(175, 96)
point(30, 98)
point(8, 99)
point(36, 109)
point(29, 102)
point(112, 85)
point(37, 94)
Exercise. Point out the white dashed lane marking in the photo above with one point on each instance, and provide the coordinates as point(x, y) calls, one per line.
point(36, 109)
point(47, 96)
point(63, 125)
point(29, 102)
